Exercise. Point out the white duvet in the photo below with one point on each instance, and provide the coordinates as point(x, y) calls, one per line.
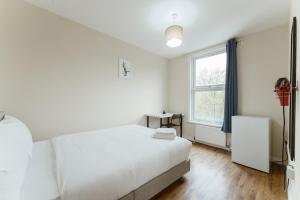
point(108, 164)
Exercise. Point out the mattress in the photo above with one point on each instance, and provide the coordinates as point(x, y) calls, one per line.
point(40, 182)
point(110, 163)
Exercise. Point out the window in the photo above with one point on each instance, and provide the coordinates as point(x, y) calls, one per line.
point(207, 88)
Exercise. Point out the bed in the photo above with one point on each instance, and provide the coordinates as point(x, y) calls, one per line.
point(40, 181)
point(122, 163)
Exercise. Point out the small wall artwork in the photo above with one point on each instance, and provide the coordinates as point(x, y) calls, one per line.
point(125, 69)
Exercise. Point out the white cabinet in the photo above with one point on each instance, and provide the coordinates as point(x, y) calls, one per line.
point(251, 142)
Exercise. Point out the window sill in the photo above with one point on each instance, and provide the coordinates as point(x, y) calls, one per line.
point(204, 124)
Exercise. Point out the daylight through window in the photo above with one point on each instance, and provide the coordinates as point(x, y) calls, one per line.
point(207, 88)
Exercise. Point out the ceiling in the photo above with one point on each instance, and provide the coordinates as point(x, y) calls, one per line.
point(142, 22)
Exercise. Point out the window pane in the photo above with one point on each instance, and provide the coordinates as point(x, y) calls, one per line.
point(210, 70)
point(209, 107)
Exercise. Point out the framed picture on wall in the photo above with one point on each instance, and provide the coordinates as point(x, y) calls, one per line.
point(125, 69)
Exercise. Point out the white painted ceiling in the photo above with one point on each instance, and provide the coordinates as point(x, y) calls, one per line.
point(143, 22)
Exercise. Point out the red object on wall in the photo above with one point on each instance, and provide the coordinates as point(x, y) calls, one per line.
point(282, 89)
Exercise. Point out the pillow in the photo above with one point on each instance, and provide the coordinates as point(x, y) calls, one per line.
point(15, 153)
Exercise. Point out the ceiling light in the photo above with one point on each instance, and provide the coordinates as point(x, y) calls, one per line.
point(174, 34)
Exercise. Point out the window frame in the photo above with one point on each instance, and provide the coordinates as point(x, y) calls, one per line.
point(192, 82)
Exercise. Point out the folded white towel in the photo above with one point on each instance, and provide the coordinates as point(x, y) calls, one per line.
point(165, 133)
point(166, 137)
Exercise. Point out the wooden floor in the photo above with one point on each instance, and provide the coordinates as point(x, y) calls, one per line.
point(214, 177)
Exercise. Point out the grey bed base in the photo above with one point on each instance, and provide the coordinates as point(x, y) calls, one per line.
point(156, 185)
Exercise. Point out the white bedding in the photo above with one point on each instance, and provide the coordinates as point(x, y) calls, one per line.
point(40, 181)
point(108, 164)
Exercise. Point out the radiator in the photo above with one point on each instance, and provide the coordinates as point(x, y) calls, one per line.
point(210, 135)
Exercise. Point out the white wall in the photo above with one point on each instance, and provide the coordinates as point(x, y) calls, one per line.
point(178, 91)
point(294, 189)
point(61, 77)
point(262, 58)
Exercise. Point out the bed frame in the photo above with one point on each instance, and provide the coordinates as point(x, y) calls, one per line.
point(156, 185)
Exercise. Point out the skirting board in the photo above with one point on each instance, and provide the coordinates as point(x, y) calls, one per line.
point(274, 159)
point(277, 160)
point(212, 145)
point(156, 185)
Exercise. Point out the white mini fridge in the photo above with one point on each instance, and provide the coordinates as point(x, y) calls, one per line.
point(250, 142)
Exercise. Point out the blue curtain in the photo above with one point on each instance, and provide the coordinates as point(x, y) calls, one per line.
point(231, 96)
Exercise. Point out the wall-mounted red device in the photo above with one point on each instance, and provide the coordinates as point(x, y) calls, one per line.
point(283, 89)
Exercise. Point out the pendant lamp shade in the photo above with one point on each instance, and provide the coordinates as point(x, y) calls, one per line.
point(174, 36)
